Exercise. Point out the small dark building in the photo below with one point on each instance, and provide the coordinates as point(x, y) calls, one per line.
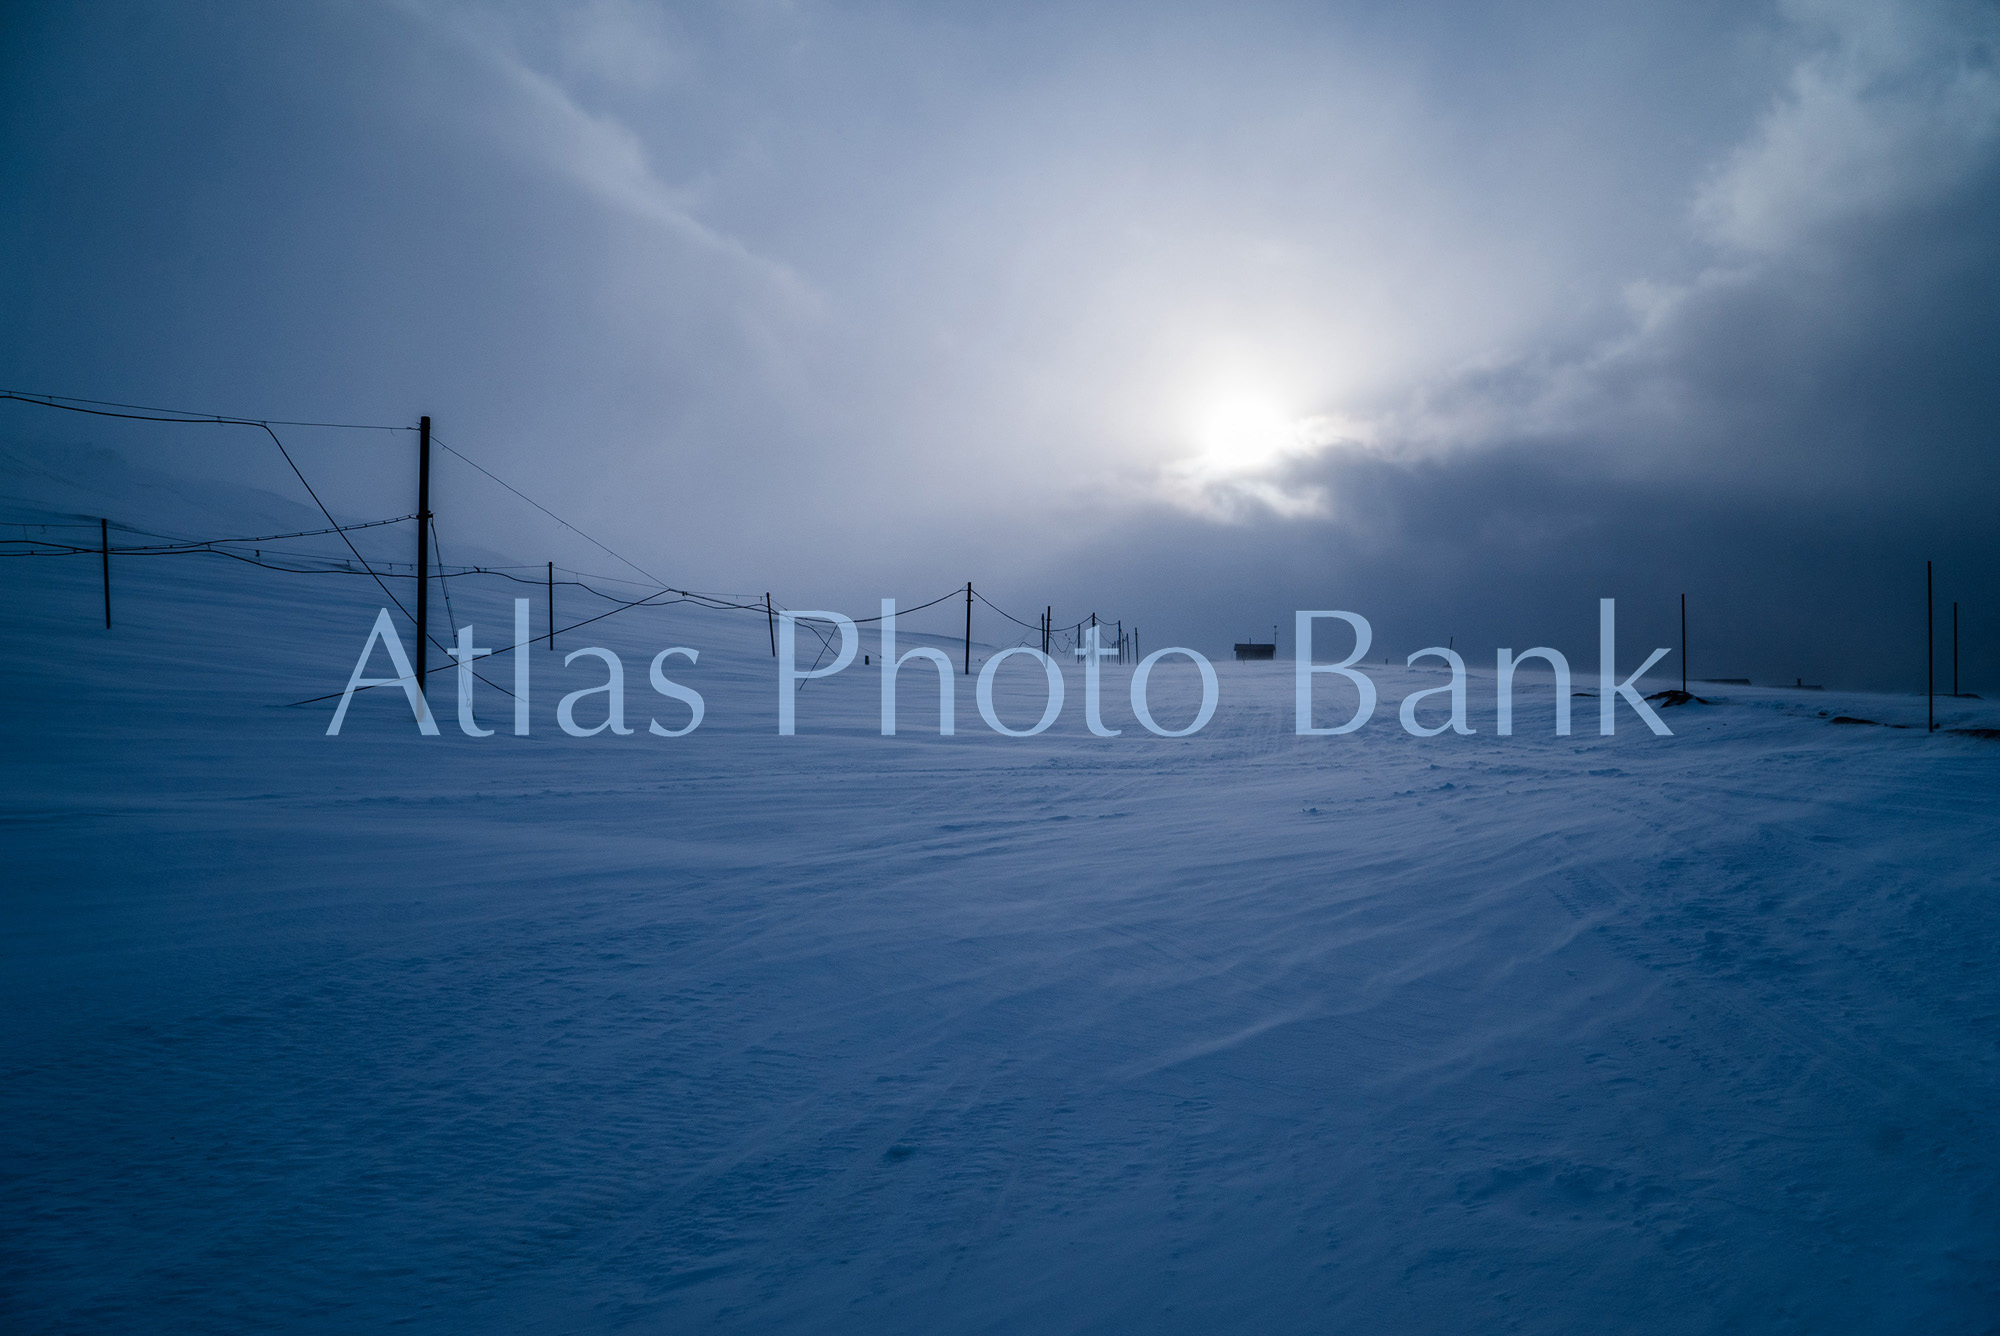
point(1256, 651)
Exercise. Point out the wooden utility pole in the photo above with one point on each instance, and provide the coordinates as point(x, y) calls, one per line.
point(552, 605)
point(423, 546)
point(1954, 648)
point(1684, 644)
point(968, 628)
point(771, 624)
point(104, 545)
point(1930, 654)
point(1048, 626)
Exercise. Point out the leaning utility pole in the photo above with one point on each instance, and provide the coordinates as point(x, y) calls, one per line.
point(423, 546)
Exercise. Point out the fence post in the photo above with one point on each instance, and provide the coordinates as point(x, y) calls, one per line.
point(104, 545)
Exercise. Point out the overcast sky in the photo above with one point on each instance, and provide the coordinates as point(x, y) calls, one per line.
point(1458, 315)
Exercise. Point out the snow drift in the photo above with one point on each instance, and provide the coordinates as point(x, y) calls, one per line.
point(734, 1032)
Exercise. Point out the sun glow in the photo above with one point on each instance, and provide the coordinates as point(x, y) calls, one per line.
point(1242, 430)
point(1244, 436)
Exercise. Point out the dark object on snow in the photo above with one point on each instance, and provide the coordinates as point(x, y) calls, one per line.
point(1850, 719)
point(1726, 681)
point(1966, 695)
point(1671, 697)
point(1256, 651)
point(1799, 684)
point(1992, 734)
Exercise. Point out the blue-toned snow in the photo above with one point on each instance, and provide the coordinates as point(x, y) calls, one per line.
point(837, 1033)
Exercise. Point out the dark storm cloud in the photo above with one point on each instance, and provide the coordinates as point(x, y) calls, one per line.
point(1788, 449)
point(1786, 435)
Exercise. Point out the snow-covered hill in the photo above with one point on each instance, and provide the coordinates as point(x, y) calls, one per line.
point(1242, 1032)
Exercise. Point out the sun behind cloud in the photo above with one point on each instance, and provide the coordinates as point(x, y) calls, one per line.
point(1238, 446)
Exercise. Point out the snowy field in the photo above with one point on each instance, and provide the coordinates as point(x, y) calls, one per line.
point(1237, 1033)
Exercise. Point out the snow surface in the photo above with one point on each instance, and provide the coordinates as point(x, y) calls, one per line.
point(1238, 1033)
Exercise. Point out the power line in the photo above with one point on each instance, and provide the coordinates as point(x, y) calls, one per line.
point(550, 513)
point(69, 403)
point(182, 414)
point(147, 413)
point(443, 586)
point(50, 402)
point(334, 522)
point(1004, 613)
point(194, 544)
point(714, 602)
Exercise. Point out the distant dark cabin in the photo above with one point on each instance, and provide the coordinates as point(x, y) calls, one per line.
point(1256, 651)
